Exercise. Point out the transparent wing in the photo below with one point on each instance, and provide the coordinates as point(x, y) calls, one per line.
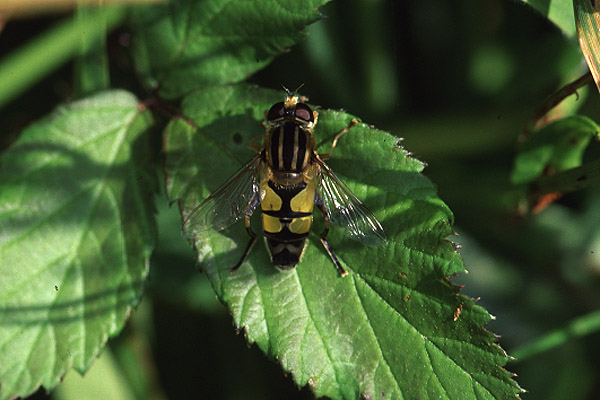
point(235, 199)
point(346, 210)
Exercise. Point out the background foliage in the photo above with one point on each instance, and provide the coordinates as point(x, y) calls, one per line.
point(459, 82)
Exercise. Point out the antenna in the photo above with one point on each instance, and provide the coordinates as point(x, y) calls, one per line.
point(290, 93)
point(298, 88)
point(286, 90)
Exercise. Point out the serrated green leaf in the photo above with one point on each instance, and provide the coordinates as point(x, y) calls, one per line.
point(556, 147)
point(76, 233)
point(587, 20)
point(393, 328)
point(560, 12)
point(185, 45)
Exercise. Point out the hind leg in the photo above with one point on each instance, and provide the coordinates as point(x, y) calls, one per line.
point(324, 242)
point(248, 247)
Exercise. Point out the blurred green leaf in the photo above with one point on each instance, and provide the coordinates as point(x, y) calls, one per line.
point(560, 12)
point(103, 381)
point(184, 45)
point(174, 275)
point(393, 327)
point(492, 68)
point(556, 147)
point(76, 233)
point(587, 20)
point(133, 357)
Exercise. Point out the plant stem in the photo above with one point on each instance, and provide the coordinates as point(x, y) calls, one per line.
point(579, 327)
point(554, 100)
point(23, 68)
point(568, 181)
point(91, 65)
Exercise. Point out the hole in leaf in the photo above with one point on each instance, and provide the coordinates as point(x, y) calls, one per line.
point(238, 138)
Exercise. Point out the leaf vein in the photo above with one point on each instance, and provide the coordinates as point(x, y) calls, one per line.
point(320, 335)
point(424, 336)
point(383, 358)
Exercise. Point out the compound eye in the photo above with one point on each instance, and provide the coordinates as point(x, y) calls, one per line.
point(277, 111)
point(304, 112)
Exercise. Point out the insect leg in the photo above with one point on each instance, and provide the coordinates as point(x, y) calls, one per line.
point(248, 247)
point(253, 145)
point(337, 137)
point(254, 202)
point(321, 206)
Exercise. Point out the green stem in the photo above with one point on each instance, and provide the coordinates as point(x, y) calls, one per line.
point(579, 327)
point(557, 97)
point(91, 64)
point(26, 66)
point(571, 180)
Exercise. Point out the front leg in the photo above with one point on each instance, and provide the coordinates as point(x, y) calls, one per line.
point(337, 137)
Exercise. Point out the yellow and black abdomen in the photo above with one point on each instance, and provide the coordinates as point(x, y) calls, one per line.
point(286, 218)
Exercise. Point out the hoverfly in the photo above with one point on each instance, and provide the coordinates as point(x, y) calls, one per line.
point(287, 178)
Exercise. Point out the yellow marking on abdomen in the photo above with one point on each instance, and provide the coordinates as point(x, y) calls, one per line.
point(300, 225)
point(271, 224)
point(269, 200)
point(305, 200)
